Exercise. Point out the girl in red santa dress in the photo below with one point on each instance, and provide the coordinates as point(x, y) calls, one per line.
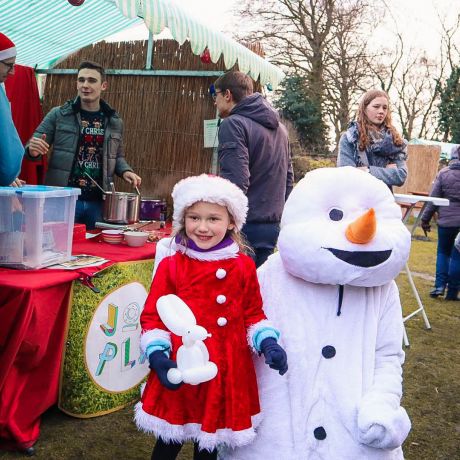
point(217, 281)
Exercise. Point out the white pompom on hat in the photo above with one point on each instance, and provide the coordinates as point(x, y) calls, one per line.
point(212, 189)
point(7, 48)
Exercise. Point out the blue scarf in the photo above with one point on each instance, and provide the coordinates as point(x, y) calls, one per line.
point(382, 144)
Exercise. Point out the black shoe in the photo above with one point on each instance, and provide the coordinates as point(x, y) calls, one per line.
point(437, 291)
point(29, 452)
point(452, 294)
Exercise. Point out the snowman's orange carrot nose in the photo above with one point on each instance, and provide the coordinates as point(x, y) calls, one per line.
point(363, 229)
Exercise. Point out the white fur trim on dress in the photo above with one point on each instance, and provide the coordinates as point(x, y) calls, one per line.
point(265, 323)
point(152, 335)
point(228, 252)
point(212, 189)
point(192, 431)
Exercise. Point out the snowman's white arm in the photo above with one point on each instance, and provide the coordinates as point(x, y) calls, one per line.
point(389, 355)
point(382, 422)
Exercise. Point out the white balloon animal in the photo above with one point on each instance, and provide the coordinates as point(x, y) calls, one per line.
point(193, 365)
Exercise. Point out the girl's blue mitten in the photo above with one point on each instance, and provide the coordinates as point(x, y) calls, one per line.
point(161, 364)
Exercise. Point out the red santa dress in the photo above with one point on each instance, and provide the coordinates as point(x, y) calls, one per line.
point(224, 296)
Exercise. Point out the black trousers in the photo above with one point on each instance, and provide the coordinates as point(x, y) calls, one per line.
point(170, 451)
point(262, 237)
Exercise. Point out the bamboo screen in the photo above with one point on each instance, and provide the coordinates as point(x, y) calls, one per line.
point(422, 165)
point(163, 116)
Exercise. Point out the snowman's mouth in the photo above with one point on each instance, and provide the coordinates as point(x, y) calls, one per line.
point(361, 258)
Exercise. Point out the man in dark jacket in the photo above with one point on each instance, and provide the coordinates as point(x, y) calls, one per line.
point(87, 139)
point(254, 154)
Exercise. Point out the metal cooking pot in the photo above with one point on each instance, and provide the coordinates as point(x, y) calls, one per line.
point(152, 209)
point(121, 207)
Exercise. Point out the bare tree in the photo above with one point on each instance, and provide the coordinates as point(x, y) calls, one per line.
point(328, 43)
point(450, 40)
point(322, 41)
point(347, 71)
point(417, 92)
point(412, 79)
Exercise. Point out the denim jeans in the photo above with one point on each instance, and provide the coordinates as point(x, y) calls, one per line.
point(88, 213)
point(448, 259)
point(262, 237)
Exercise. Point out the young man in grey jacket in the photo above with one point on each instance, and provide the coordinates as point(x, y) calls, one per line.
point(87, 139)
point(254, 154)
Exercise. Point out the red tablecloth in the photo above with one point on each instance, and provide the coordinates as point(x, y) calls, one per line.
point(33, 311)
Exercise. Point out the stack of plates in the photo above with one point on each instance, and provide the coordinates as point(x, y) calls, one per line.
point(112, 236)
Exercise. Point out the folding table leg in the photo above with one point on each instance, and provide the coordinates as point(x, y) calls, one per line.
point(405, 337)
point(420, 309)
point(418, 218)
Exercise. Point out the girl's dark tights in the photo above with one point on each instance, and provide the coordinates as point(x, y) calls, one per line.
point(169, 451)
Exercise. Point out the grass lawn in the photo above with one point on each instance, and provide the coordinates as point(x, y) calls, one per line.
point(431, 390)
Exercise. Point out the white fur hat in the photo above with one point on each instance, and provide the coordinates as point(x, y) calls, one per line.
point(212, 189)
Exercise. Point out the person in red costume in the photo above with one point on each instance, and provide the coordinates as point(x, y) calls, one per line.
point(218, 283)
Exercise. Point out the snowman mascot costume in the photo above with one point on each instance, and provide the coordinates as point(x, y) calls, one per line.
point(330, 289)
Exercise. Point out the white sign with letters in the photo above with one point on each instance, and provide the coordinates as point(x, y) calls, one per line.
point(112, 353)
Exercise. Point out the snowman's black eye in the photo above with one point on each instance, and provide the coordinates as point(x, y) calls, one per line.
point(335, 214)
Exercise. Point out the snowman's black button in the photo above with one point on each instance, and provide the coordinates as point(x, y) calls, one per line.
point(319, 433)
point(328, 351)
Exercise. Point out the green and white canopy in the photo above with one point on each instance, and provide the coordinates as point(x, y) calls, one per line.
point(46, 31)
point(159, 14)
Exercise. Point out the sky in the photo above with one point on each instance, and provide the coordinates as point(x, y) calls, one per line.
point(416, 19)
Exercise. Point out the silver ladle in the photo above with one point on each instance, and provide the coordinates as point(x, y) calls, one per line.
point(96, 184)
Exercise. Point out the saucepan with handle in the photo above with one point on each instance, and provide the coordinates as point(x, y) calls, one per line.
point(119, 207)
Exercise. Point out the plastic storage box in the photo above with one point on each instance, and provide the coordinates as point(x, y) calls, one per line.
point(36, 225)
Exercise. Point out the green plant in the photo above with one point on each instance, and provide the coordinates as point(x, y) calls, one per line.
point(301, 108)
point(449, 107)
point(303, 164)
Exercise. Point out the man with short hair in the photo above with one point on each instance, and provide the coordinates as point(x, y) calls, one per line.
point(11, 148)
point(254, 154)
point(86, 134)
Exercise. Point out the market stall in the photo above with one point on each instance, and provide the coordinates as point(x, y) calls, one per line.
point(45, 316)
point(168, 79)
point(50, 316)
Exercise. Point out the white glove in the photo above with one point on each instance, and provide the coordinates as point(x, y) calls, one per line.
point(382, 426)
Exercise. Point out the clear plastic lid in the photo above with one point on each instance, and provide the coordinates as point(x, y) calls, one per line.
point(39, 191)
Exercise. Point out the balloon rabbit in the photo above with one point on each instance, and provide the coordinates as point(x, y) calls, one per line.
point(193, 365)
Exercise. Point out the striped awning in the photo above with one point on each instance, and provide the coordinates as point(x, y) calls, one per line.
point(46, 31)
point(161, 14)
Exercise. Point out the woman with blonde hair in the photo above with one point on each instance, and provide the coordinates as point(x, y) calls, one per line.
point(372, 143)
